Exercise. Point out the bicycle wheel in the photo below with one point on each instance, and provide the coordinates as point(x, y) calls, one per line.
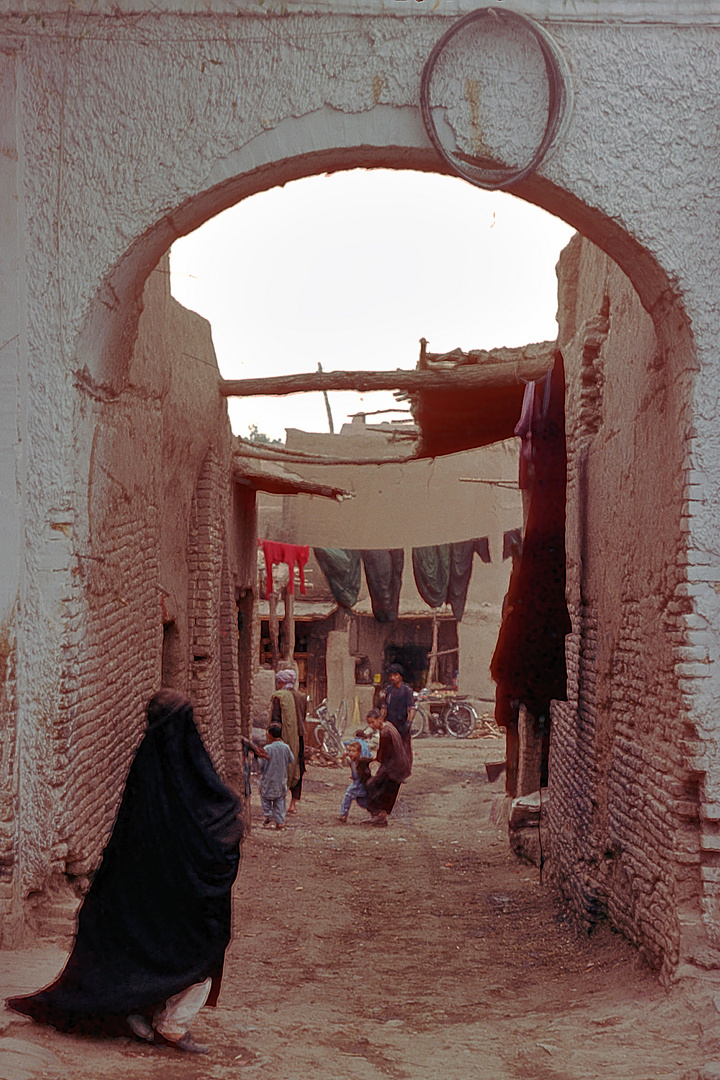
point(419, 722)
point(460, 720)
point(341, 718)
point(333, 743)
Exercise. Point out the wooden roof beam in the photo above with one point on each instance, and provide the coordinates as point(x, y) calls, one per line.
point(463, 377)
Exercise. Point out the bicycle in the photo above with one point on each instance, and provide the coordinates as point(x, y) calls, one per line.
point(460, 719)
point(341, 717)
point(328, 731)
point(420, 722)
point(456, 718)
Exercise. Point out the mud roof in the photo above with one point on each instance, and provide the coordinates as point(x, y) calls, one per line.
point(453, 420)
point(278, 482)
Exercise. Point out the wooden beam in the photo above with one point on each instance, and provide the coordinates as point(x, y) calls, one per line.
point(289, 624)
point(274, 628)
point(464, 377)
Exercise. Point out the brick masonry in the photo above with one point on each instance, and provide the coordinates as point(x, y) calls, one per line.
point(155, 544)
point(623, 809)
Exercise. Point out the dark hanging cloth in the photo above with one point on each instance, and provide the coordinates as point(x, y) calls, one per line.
point(461, 560)
point(383, 573)
point(482, 547)
point(431, 567)
point(156, 919)
point(342, 570)
point(511, 539)
point(534, 410)
point(529, 659)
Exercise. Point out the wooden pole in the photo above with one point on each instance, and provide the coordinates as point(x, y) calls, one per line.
point(464, 377)
point(443, 652)
point(328, 410)
point(432, 672)
point(289, 625)
point(274, 629)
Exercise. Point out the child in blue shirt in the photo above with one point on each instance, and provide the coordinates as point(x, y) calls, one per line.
point(273, 782)
point(360, 770)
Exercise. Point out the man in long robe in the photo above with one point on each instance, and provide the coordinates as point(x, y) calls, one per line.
point(395, 767)
point(286, 710)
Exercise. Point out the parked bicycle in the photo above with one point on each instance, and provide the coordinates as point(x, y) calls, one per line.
point(439, 715)
point(328, 729)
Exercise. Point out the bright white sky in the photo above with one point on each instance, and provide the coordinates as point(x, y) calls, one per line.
point(351, 270)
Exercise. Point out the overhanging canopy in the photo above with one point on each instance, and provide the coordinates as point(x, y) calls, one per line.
point(453, 420)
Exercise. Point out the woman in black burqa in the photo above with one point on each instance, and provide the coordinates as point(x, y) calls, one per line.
point(154, 926)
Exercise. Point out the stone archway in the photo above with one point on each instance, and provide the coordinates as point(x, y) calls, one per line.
point(177, 121)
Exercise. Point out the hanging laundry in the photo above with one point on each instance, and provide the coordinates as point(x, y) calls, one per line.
point(461, 560)
point(536, 400)
point(383, 573)
point(482, 547)
point(341, 567)
point(431, 568)
point(529, 664)
point(291, 554)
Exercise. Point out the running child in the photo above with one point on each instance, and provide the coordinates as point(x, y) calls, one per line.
point(360, 770)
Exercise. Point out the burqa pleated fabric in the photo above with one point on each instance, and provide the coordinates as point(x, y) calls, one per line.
point(157, 917)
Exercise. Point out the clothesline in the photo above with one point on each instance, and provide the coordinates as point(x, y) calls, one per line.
point(442, 572)
point(511, 484)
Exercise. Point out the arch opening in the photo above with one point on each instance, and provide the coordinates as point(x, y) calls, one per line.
point(667, 368)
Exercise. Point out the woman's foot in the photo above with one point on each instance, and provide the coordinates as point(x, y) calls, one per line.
point(379, 819)
point(292, 807)
point(140, 1027)
point(186, 1043)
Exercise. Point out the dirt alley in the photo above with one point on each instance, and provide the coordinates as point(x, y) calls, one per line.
point(424, 950)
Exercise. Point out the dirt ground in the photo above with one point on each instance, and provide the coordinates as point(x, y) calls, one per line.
point(416, 952)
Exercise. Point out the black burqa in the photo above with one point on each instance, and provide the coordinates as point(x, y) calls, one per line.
point(157, 916)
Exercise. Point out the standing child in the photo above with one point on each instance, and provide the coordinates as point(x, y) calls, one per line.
point(273, 782)
point(360, 770)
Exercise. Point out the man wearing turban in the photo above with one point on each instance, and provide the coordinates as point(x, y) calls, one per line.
point(288, 707)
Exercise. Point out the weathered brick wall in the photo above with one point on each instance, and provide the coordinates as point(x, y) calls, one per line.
point(8, 771)
point(623, 804)
point(153, 546)
point(113, 649)
point(209, 609)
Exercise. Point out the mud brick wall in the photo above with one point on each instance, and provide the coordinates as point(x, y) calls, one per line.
point(8, 771)
point(209, 622)
point(154, 545)
point(623, 807)
point(231, 712)
point(113, 642)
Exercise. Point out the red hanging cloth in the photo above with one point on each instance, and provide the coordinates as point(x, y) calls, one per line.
point(284, 553)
